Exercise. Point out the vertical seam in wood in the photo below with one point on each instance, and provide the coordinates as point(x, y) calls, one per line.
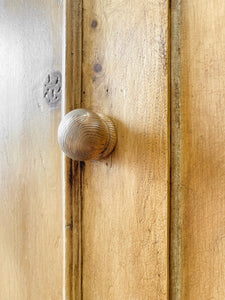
point(67, 203)
point(82, 47)
point(82, 164)
point(169, 145)
point(71, 179)
point(72, 174)
point(175, 156)
point(82, 168)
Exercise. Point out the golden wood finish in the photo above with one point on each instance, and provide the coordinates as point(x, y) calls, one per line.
point(198, 205)
point(31, 238)
point(203, 139)
point(175, 156)
point(85, 135)
point(72, 177)
point(125, 196)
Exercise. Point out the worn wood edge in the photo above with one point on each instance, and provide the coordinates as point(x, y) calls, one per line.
point(72, 179)
point(168, 143)
point(176, 154)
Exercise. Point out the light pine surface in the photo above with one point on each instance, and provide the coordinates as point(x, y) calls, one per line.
point(30, 164)
point(202, 182)
point(175, 153)
point(125, 197)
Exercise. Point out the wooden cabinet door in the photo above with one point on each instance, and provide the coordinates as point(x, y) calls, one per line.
point(147, 222)
point(165, 180)
point(117, 209)
point(31, 186)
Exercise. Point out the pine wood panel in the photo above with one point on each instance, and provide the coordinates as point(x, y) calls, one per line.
point(125, 197)
point(72, 57)
point(203, 160)
point(30, 184)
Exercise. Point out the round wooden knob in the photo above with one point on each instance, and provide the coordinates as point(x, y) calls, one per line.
point(85, 135)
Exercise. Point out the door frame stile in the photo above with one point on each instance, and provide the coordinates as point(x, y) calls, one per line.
point(72, 178)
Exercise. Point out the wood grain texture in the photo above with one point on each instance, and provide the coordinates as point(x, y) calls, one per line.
point(30, 184)
point(175, 155)
point(125, 197)
point(203, 159)
point(86, 135)
point(72, 171)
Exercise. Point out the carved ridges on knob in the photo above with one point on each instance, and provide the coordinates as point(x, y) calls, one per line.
point(111, 136)
point(85, 135)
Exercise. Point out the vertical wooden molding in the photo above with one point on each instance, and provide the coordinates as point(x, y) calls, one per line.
point(72, 179)
point(176, 159)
